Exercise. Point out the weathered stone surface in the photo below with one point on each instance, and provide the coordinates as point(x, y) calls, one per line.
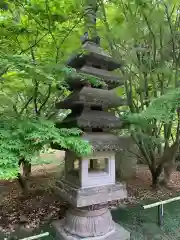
point(106, 141)
point(94, 119)
point(78, 173)
point(89, 196)
point(118, 233)
point(107, 76)
point(89, 225)
point(91, 52)
point(92, 97)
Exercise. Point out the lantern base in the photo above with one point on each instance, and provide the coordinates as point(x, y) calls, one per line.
point(89, 224)
point(119, 233)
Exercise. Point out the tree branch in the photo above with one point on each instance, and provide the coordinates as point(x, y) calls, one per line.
point(26, 104)
point(33, 45)
point(46, 99)
point(35, 97)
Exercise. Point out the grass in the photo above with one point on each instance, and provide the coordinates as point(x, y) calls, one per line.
point(143, 223)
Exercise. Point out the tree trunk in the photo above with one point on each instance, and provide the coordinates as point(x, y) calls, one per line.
point(168, 160)
point(166, 179)
point(22, 179)
point(167, 170)
point(155, 179)
point(26, 168)
point(23, 184)
point(156, 176)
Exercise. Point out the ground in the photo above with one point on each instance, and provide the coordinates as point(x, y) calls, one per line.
point(140, 186)
point(42, 205)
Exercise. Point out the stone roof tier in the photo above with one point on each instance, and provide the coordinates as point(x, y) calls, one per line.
point(111, 79)
point(92, 53)
point(107, 141)
point(93, 119)
point(92, 97)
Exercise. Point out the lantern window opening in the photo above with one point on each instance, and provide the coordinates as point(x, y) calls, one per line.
point(98, 165)
point(75, 169)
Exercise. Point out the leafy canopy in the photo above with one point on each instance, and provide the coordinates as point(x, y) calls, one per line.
point(26, 137)
point(161, 109)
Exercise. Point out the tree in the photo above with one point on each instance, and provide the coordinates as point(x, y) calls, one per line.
point(36, 40)
point(161, 111)
point(32, 63)
point(145, 36)
point(24, 131)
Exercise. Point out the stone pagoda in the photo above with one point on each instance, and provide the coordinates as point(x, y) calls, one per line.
point(89, 182)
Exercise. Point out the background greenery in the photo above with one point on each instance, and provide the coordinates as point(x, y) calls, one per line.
point(37, 38)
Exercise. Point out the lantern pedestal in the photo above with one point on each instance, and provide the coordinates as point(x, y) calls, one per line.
point(89, 216)
point(89, 224)
point(82, 197)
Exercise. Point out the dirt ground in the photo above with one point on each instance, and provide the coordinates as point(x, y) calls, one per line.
point(43, 204)
point(140, 186)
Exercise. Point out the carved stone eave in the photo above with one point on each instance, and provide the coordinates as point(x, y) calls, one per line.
point(94, 119)
point(92, 97)
point(106, 141)
point(76, 83)
point(90, 52)
point(108, 77)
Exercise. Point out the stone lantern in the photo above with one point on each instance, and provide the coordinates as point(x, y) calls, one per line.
point(89, 182)
point(94, 170)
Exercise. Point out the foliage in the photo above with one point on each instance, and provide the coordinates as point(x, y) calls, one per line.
point(37, 37)
point(162, 109)
point(145, 36)
point(26, 137)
